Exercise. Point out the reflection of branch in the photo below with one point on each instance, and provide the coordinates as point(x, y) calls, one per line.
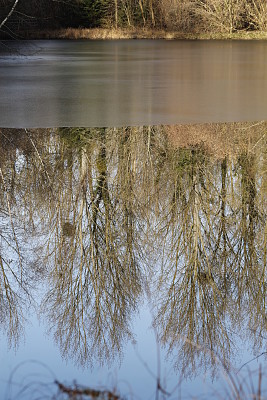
point(253, 359)
point(11, 221)
point(258, 142)
point(159, 387)
point(11, 312)
point(40, 158)
point(45, 171)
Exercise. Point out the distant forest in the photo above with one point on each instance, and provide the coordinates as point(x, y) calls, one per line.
point(223, 16)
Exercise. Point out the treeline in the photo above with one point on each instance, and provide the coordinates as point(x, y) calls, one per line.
point(188, 16)
point(182, 15)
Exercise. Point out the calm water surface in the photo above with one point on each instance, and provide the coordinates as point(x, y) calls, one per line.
point(127, 82)
point(133, 254)
point(137, 252)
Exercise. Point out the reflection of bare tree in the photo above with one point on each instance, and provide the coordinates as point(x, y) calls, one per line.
point(11, 275)
point(213, 256)
point(95, 281)
point(250, 268)
point(191, 309)
point(100, 205)
point(14, 254)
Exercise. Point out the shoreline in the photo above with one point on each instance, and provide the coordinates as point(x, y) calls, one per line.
point(120, 33)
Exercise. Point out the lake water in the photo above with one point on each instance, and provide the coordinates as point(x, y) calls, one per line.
point(124, 83)
point(133, 255)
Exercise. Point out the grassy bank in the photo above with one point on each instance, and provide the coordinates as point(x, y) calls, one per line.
point(105, 34)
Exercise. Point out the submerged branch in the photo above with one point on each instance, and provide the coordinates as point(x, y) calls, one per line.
point(92, 393)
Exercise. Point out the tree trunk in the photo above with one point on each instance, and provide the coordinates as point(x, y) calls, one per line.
point(116, 13)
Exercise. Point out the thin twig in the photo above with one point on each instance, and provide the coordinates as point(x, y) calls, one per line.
point(253, 359)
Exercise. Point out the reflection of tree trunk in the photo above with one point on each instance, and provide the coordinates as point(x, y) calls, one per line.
point(101, 192)
point(251, 204)
point(195, 227)
point(83, 174)
point(223, 221)
point(84, 165)
point(223, 200)
point(223, 231)
point(195, 217)
point(248, 205)
point(251, 192)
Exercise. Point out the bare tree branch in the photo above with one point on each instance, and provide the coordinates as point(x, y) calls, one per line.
point(9, 14)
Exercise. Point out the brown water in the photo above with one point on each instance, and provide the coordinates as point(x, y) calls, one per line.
point(117, 83)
